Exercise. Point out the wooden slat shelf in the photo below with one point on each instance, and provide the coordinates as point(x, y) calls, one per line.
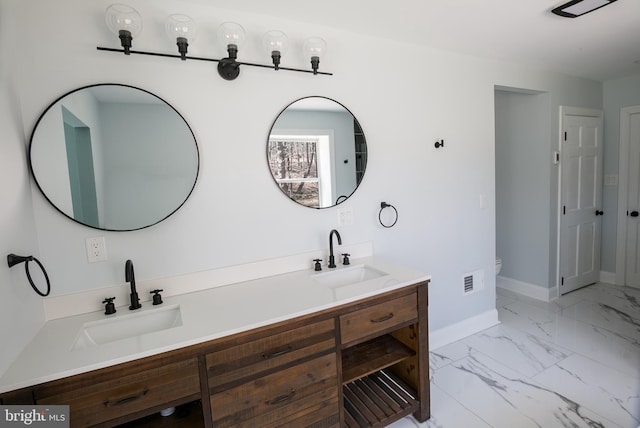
point(377, 400)
point(368, 357)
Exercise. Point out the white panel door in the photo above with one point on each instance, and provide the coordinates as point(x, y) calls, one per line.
point(581, 200)
point(632, 271)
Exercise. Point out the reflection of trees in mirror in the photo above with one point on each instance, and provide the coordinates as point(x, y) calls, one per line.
point(340, 152)
point(293, 161)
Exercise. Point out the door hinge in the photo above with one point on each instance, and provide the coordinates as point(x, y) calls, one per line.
point(562, 281)
point(564, 210)
point(565, 135)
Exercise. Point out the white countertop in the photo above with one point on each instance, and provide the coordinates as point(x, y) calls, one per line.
point(206, 315)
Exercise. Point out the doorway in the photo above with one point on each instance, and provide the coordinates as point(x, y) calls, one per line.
point(627, 252)
point(82, 183)
point(523, 183)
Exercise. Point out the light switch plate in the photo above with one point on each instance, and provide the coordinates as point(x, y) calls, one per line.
point(345, 217)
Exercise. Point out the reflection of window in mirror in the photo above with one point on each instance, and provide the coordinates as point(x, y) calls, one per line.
point(302, 167)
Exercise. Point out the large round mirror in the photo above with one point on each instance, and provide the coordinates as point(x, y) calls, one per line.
point(317, 152)
point(114, 157)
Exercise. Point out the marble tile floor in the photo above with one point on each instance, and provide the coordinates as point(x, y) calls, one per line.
point(572, 362)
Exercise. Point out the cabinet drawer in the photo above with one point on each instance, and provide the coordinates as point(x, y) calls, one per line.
point(307, 391)
point(238, 363)
point(91, 403)
point(368, 322)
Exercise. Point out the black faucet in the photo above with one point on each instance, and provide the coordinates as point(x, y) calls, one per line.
point(131, 278)
point(332, 260)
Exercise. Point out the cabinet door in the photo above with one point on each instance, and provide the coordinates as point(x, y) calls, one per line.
point(277, 378)
point(92, 402)
point(261, 354)
point(301, 395)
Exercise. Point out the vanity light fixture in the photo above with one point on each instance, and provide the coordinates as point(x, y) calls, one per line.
point(231, 36)
point(126, 23)
point(275, 44)
point(181, 28)
point(576, 8)
point(314, 47)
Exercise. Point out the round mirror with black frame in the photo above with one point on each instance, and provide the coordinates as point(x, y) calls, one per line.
point(114, 157)
point(317, 152)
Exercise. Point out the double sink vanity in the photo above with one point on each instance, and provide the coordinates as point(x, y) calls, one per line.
point(341, 347)
point(282, 345)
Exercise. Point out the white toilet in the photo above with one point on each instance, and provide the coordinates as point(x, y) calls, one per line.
point(498, 265)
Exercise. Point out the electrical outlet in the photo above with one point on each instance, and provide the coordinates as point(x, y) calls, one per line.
point(96, 249)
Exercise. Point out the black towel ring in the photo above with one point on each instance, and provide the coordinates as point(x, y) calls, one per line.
point(384, 205)
point(13, 260)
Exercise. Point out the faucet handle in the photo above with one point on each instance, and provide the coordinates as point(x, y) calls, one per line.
point(318, 266)
point(345, 258)
point(157, 298)
point(109, 308)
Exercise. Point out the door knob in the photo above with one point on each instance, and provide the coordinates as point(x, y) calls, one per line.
point(599, 212)
point(633, 213)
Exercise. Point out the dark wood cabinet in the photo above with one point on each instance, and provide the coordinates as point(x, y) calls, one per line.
point(289, 375)
point(361, 364)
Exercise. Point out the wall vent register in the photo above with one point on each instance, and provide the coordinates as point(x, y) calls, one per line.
point(472, 282)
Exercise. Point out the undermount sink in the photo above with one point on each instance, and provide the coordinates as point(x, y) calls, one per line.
point(348, 275)
point(125, 326)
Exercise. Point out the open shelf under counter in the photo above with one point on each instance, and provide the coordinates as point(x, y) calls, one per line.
point(369, 357)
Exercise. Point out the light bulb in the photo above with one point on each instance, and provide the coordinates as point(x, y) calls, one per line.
point(275, 43)
point(315, 47)
point(231, 36)
point(125, 22)
point(181, 28)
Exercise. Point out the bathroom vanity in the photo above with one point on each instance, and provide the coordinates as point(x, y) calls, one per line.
point(330, 355)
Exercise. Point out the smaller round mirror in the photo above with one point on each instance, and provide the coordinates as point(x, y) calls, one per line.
point(317, 152)
point(113, 157)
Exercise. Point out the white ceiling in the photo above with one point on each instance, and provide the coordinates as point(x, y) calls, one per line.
point(601, 45)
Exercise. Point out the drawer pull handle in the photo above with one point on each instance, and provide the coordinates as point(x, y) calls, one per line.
point(384, 318)
point(278, 353)
point(125, 400)
point(281, 398)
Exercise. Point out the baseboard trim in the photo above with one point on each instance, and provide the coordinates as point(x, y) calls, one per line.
point(527, 289)
point(608, 277)
point(462, 329)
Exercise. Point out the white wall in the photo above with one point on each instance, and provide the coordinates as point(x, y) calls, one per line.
point(146, 179)
point(236, 214)
point(21, 312)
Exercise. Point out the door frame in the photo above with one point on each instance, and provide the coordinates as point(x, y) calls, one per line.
point(569, 111)
point(623, 181)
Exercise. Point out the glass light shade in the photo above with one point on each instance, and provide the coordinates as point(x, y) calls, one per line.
point(315, 47)
point(122, 17)
point(230, 33)
point(178, 25)
point(275, 41)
